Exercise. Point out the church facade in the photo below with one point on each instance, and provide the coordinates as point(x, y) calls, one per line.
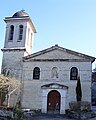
point(48, 77)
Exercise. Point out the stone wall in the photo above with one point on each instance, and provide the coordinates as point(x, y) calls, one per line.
point(32, 97)
point(12, 61)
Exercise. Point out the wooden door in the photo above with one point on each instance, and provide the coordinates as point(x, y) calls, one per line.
point(53, 103)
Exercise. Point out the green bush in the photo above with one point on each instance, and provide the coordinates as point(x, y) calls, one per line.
point(18, 114)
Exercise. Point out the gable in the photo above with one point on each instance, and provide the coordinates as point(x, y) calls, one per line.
point(58, 53)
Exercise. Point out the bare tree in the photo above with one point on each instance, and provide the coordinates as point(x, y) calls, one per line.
point(7, 87)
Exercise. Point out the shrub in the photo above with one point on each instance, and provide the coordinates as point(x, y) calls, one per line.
point(82, 105)
point(18, 114)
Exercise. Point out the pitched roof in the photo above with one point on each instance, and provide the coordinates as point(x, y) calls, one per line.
point(56, 47)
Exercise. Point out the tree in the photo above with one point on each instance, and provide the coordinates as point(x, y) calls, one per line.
point(94, 70)
point(78, 90)
point(7, 87)
point(79, 97)
point(94, 76)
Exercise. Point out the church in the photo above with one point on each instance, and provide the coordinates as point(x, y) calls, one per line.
point(48, 77)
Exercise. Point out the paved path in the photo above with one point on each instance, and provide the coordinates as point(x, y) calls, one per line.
point(54, 117)
point(93, 118)
point(50, 117)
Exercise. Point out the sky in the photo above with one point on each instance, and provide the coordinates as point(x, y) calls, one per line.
point(69, 23)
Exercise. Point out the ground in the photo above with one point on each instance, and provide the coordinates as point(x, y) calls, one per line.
point(51, 117)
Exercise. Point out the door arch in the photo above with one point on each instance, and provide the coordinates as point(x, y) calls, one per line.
point(53, 101)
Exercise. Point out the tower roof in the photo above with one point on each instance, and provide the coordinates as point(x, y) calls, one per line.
point(20, 14)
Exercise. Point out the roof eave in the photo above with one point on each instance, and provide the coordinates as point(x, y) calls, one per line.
point(21, 18)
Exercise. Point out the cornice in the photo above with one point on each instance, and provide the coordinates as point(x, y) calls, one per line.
point(13, 49)
point(56, 60)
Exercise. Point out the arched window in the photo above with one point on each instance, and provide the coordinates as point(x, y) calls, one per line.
point(36, 73)
point(20, 32)
point(11, 32)
point(54, 72)
point(73, 73)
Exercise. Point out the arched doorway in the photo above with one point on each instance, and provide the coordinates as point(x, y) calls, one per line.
point(53, 101)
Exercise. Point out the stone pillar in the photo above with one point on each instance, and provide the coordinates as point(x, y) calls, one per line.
point(63, 98)
point(44, 101)
point(62, 107)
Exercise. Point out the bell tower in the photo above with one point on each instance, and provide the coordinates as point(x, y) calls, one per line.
point(18, 41)
point(19, 32)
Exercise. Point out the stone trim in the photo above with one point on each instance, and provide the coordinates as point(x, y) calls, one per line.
point(63, 94)
point(54, 85)
point(13, 49)
point(21, 18)
point(56, 60)
point(56, 47)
